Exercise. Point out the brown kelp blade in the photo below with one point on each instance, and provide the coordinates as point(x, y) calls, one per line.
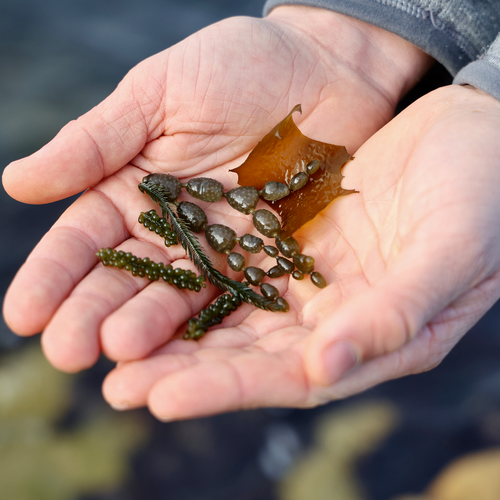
point(282, 153)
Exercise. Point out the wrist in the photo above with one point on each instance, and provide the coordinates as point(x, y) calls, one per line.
point(385, 61)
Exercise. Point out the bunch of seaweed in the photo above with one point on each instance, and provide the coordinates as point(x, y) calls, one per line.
point(287, 170)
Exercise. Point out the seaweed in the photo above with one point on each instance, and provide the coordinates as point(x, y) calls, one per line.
point(154, 271)
point(287, 170)
point(285, 152)
point(195, 251)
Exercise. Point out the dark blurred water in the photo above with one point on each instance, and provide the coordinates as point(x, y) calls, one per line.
point(58, 58)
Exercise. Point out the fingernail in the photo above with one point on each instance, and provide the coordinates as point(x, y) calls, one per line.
point(339, 358)
point(120, 406)
point(165, 419)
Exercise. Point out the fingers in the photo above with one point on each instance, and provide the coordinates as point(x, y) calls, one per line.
point(128, 385)
point(194, 380)
point(70, 340)
point(440, 238)
point(59, 291)
point(388, 314)
point(123, 316)
point(210, 381)
point(420, 354)
point(426, 350)
point(61, 259)
point(151, 318)
point(85, 150)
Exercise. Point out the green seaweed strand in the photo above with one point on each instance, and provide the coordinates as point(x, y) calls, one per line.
point(195, 251)
point(213, 315)
point(159, 225)
point(154, 271)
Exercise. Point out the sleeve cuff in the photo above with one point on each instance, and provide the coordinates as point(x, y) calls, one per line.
point(416, 25)
point(484, 74)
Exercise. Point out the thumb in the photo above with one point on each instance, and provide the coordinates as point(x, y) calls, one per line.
point(83, 152)
point(384, 317)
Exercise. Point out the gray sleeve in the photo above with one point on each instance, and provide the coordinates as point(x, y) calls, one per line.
point(454, 32)
point(484, 73)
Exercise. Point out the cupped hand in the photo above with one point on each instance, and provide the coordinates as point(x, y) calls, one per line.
point(197, 108)
point(413, 261)
point(429, 183)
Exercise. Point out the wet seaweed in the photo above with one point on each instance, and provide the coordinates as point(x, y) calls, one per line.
point(286, 169)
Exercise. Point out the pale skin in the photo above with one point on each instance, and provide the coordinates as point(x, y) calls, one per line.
point(412, 261)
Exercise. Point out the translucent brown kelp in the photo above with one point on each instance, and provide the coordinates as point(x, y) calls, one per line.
point(281, 154)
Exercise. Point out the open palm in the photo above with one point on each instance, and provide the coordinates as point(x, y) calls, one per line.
point(199, 108)
point(412, 261)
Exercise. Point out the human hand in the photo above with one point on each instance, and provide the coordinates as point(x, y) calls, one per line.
point(197, 108)
point(429, 182)
point(413, 262)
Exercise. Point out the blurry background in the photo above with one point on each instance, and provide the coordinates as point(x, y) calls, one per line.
point(60, 441)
